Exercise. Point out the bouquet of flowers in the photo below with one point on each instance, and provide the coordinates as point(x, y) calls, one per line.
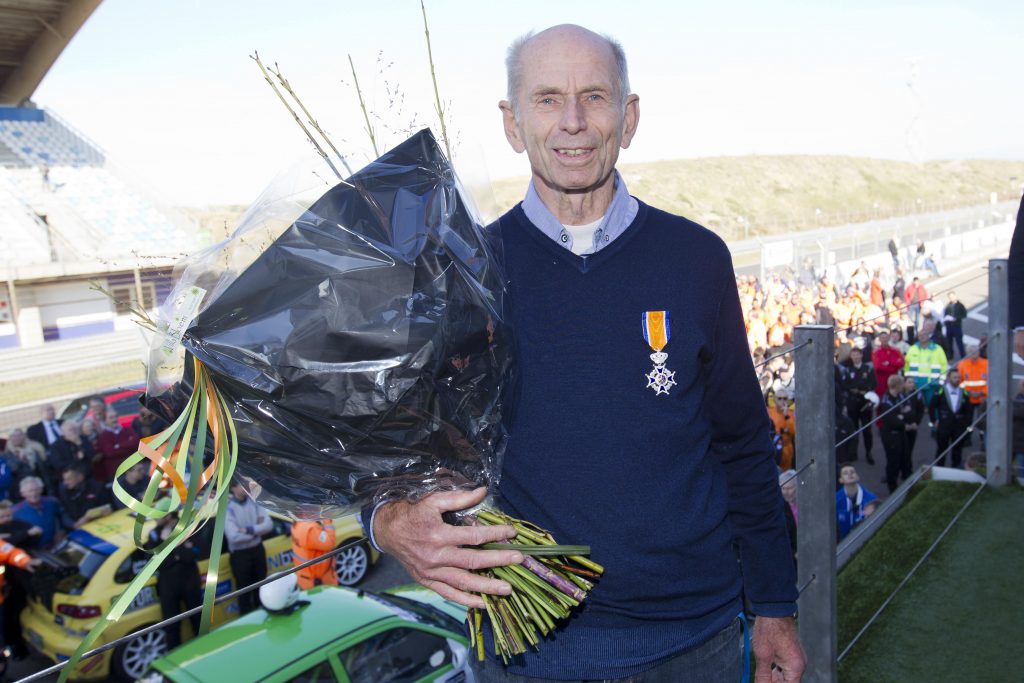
point(341, 353)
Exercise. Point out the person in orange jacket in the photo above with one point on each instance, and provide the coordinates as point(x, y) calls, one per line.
point(311, 540)
point(15, 557)
point(783, 417)
point(974, 375)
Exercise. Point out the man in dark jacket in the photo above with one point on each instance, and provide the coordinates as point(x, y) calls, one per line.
point(858, 380)
point(177, 582)
point(953, 323)
point(950, 411)
point(82, 499)
point(47, 430)
point(895, 418)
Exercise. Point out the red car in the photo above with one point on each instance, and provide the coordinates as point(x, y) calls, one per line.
point(125, 400)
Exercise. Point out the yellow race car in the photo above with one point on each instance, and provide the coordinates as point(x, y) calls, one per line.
point(90, 568)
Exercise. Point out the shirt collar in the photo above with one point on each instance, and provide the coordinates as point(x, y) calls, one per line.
point(620, 215)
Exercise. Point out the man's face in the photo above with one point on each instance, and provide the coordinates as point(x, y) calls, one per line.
point(954, 378)
point(925, 335)
point(952, 298)
point(238, 491)
point(49, 413)
point(883, 339)
point(32, 492)
point(72, 478)
point(17, 438)
point(111, 418)
point(848, 475)
point(909, 384)
point(97, 407)
point(570, 122)
point(136, 473)
point(856, 355)
point(972, 352)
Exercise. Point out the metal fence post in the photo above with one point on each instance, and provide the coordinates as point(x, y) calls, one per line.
point(816, 499)
point(998, 419)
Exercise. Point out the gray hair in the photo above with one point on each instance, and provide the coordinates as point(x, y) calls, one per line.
point(30, 481)
point(514, 68)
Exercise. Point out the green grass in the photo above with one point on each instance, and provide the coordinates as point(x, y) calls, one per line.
point(962, 614)
point(78, 382)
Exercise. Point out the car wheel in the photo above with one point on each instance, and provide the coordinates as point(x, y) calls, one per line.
point(352, 565)
point(132, 659)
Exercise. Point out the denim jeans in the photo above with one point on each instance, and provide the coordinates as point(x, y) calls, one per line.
point(719, 660)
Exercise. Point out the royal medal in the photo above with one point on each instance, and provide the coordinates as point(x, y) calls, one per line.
point(656, 334)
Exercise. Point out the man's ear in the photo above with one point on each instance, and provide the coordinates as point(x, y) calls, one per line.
point(508, 119)
point(630, 120)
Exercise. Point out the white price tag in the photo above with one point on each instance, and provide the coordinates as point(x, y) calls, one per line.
point(185, 308)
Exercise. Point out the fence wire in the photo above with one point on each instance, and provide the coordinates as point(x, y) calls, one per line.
point(903, 400)
point(769, 359)
point(900, 309)
point(56, 668)
point(912, 571)
point(869, 523)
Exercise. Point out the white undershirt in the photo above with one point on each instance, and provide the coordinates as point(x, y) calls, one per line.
point(583, 236)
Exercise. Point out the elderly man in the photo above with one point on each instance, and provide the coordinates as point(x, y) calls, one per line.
point(47, 430)
point(666, 471)
point(41, 511)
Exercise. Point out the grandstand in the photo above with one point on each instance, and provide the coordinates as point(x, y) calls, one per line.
point(69, 220)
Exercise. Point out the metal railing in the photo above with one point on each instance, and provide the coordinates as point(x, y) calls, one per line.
point(815, 456)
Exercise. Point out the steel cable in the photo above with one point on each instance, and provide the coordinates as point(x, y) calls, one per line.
point(868, 524)
point(914, 569)
point(855, 434)
point(908, 305)
point(188, 613)
point(781, 354)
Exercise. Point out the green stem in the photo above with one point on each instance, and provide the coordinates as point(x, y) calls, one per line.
point(433, 78)
point(362, 105)
point(309, 136)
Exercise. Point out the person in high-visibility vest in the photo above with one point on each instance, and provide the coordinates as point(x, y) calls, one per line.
point(926, 364)
point(974, 375)
point(311, 540)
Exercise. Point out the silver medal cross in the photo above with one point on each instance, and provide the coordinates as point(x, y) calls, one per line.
point(661, 379)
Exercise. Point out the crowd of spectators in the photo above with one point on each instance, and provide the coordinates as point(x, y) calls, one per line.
point(901, 366)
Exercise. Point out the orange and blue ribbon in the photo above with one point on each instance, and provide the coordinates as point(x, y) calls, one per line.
point(657, 331)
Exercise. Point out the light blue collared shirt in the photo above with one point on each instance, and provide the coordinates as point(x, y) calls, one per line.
point(619, 216)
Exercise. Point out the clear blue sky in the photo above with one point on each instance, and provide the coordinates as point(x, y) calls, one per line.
point(166, 86)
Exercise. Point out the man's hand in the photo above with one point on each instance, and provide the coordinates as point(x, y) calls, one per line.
point(775, 643)
point(1018, 343)
point(433, 551)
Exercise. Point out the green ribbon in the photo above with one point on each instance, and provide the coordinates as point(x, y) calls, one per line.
point(204, 497)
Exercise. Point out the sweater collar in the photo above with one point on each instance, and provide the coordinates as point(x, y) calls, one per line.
point(619, 216)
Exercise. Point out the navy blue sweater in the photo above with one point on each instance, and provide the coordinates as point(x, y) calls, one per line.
point(677, 495)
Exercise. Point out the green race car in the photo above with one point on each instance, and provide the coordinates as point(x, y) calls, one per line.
point(332, 634)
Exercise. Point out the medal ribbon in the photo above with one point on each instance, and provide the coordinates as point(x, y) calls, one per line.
point(656, 329)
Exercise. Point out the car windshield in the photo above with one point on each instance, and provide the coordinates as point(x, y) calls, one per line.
point(77, 409)
point(73, 555)
point(420, 611)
